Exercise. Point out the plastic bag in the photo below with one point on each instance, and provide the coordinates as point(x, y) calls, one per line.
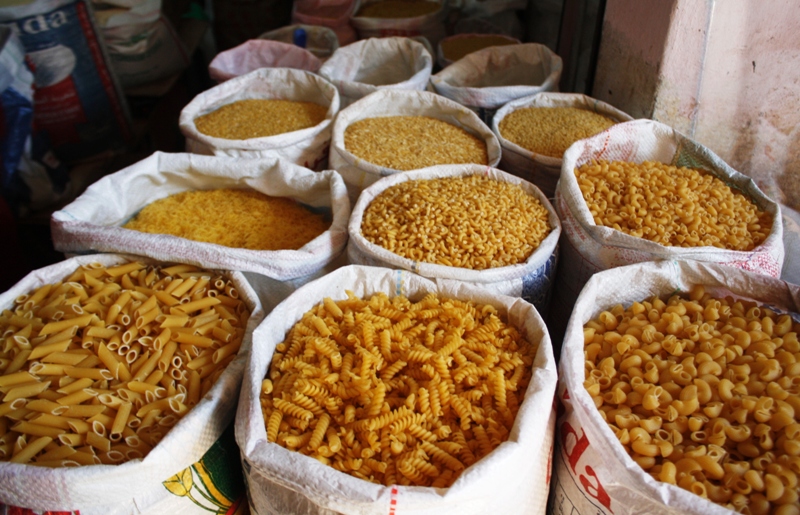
point(592, 471)
point(306, 147)
point(487, 79)
point(138, 486)
point(431, 26)
point(93, 221)
point(357, 173)
point(366, 66)
point(539, 169)
point(532, 280)
point(320, 41)
point(260, 53)
point(511, 479)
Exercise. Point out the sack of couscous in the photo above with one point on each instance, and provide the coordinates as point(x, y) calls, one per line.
point(392, 131)
point(374, 335)
point(320, 41)
point(118, 418)
point(467, 223)
point(675, 393)
point(409, 18)
point(260, 53)
point(641, 191)
point(269, 112)
point(487, 79)
point(535, 132)
point(366, 66)
point(215, 212)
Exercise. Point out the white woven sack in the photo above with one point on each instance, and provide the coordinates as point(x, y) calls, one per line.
point(544, 171)
point(592, 471)
point(431, 26)
point(487, 79)
point(588, 248)
point(320, 41)
point(366, 66)
point(93, 222)
point(357, 173)
point(532, 280)
point(512, 479)
point(306, 147)
point(135, 487)
point(260, 53)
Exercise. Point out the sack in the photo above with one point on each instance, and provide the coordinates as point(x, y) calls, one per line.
point(431, 26)
point(366, 66)
point(588, 248)
point(592, 471)
point(506, 23)
point(539, 169)
point(334, 14)
point(531, 280)
point(141, 42)
point(487, 79)
point(511, 479)
point(306, 147)
point(78, 106)
point(191, 454)
point(455, 44)
point(320, 41)
point(260, 53)
point(357, 173)
point(93, 221)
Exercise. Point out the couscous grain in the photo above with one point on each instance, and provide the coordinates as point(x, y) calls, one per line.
point(259, 117)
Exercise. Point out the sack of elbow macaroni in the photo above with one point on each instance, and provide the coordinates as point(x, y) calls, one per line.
point(593, 472)
point(511, 479)
point(193, 470)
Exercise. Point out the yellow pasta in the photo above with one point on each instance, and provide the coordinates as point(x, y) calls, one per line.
point(396, 411)
point(85, 383)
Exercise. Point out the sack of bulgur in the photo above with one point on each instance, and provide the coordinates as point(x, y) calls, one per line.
point(192, 470)
point(693, 439)
point(320, 41)
point(260, 53)
point(487, 79)
point(640, 175)
point(461, 222)
point(366, 66)
point(93, 222)
point(453, 48)
point(534, 137)
point(270, 112)
point(425, 130)
point(381, 18)
point(510, 472)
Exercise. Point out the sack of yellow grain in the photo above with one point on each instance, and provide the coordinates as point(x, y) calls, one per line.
point(487, 79)
point(503, 469)
point(707, 423)
point(641, 191)
point(366, 66)
point(382, 18)
point(269, 112)
point(453, 48)
point(230, 235)
point(157, 465)
point(461, 222)
point(391, 131)
point(260, 53)
point(535, 132)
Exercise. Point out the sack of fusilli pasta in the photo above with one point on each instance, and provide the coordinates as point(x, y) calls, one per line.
point(161, 459)
point(504, 468)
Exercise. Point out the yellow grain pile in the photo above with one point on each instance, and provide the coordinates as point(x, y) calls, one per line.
point(551, 130)
point(412, 142)
point(244, 219)
point(259, 117)
point(456, 48)
point(398, 9)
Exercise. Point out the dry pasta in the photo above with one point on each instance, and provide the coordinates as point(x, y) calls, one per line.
point(237, 218)
point(469, 222)
point(394, 391)
point(703, 393)
point(672, 206)
point(260, 117)
point(94, 369)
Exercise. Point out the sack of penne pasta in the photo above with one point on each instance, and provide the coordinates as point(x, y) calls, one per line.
point(678, 393)
point(119, 375)
point(374, 391)
point(285, 223)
